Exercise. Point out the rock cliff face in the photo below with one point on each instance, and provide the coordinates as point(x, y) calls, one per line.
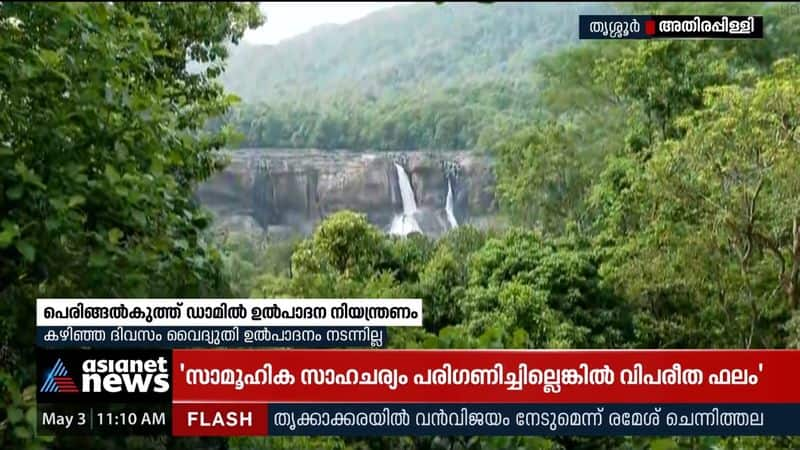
point(291, 190)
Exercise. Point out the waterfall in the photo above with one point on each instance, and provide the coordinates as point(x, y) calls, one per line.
point(405, 223)
point(406, 192)
point(448, 206)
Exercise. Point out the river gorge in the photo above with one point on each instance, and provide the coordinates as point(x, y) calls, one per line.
point(288, 191)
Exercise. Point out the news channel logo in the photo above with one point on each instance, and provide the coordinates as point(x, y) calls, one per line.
point(58, 380)
point(92, 375)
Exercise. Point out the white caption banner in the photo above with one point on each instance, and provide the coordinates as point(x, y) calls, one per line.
point(282, 312)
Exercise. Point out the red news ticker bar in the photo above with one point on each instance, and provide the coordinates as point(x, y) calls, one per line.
point(219, 420)
point(776, 378)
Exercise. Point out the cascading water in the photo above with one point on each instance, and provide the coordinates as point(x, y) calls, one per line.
point(405, 223)
point(406, 192)
point(448, 206)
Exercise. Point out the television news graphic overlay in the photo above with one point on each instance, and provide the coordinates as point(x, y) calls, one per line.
point(104, 376)
point(220, 419)
point(498, 392)
point(229, 312)
point(104, 419)
point(670, 27)
point(431, 419)
point(103, 391)
point(57, 379)
point(199, 337)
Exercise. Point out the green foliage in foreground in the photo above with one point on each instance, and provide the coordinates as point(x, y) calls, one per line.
point(518, 289)
point(663, 195)
point(674, 163)
point(100, 148)
point(655, 205)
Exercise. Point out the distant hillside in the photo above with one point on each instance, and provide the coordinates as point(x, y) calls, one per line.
point(423, 76)
point(407, 45)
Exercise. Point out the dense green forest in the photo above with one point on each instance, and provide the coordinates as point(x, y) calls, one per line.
point(452, 118)
point(405, 48)
point(424, 76)
point(653, 196)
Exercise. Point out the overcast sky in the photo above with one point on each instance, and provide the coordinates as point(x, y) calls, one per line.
point(288, 19)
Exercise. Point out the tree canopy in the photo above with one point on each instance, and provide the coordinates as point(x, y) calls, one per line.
point(650, 184)
point(101, 145)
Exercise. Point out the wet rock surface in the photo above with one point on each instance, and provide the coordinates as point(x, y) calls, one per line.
point(295, 189)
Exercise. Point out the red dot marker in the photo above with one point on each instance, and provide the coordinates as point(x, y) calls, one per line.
point(650, 27)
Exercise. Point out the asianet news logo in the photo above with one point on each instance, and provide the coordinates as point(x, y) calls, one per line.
point(57, 379)
point(125, 375)
point(111, 376)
